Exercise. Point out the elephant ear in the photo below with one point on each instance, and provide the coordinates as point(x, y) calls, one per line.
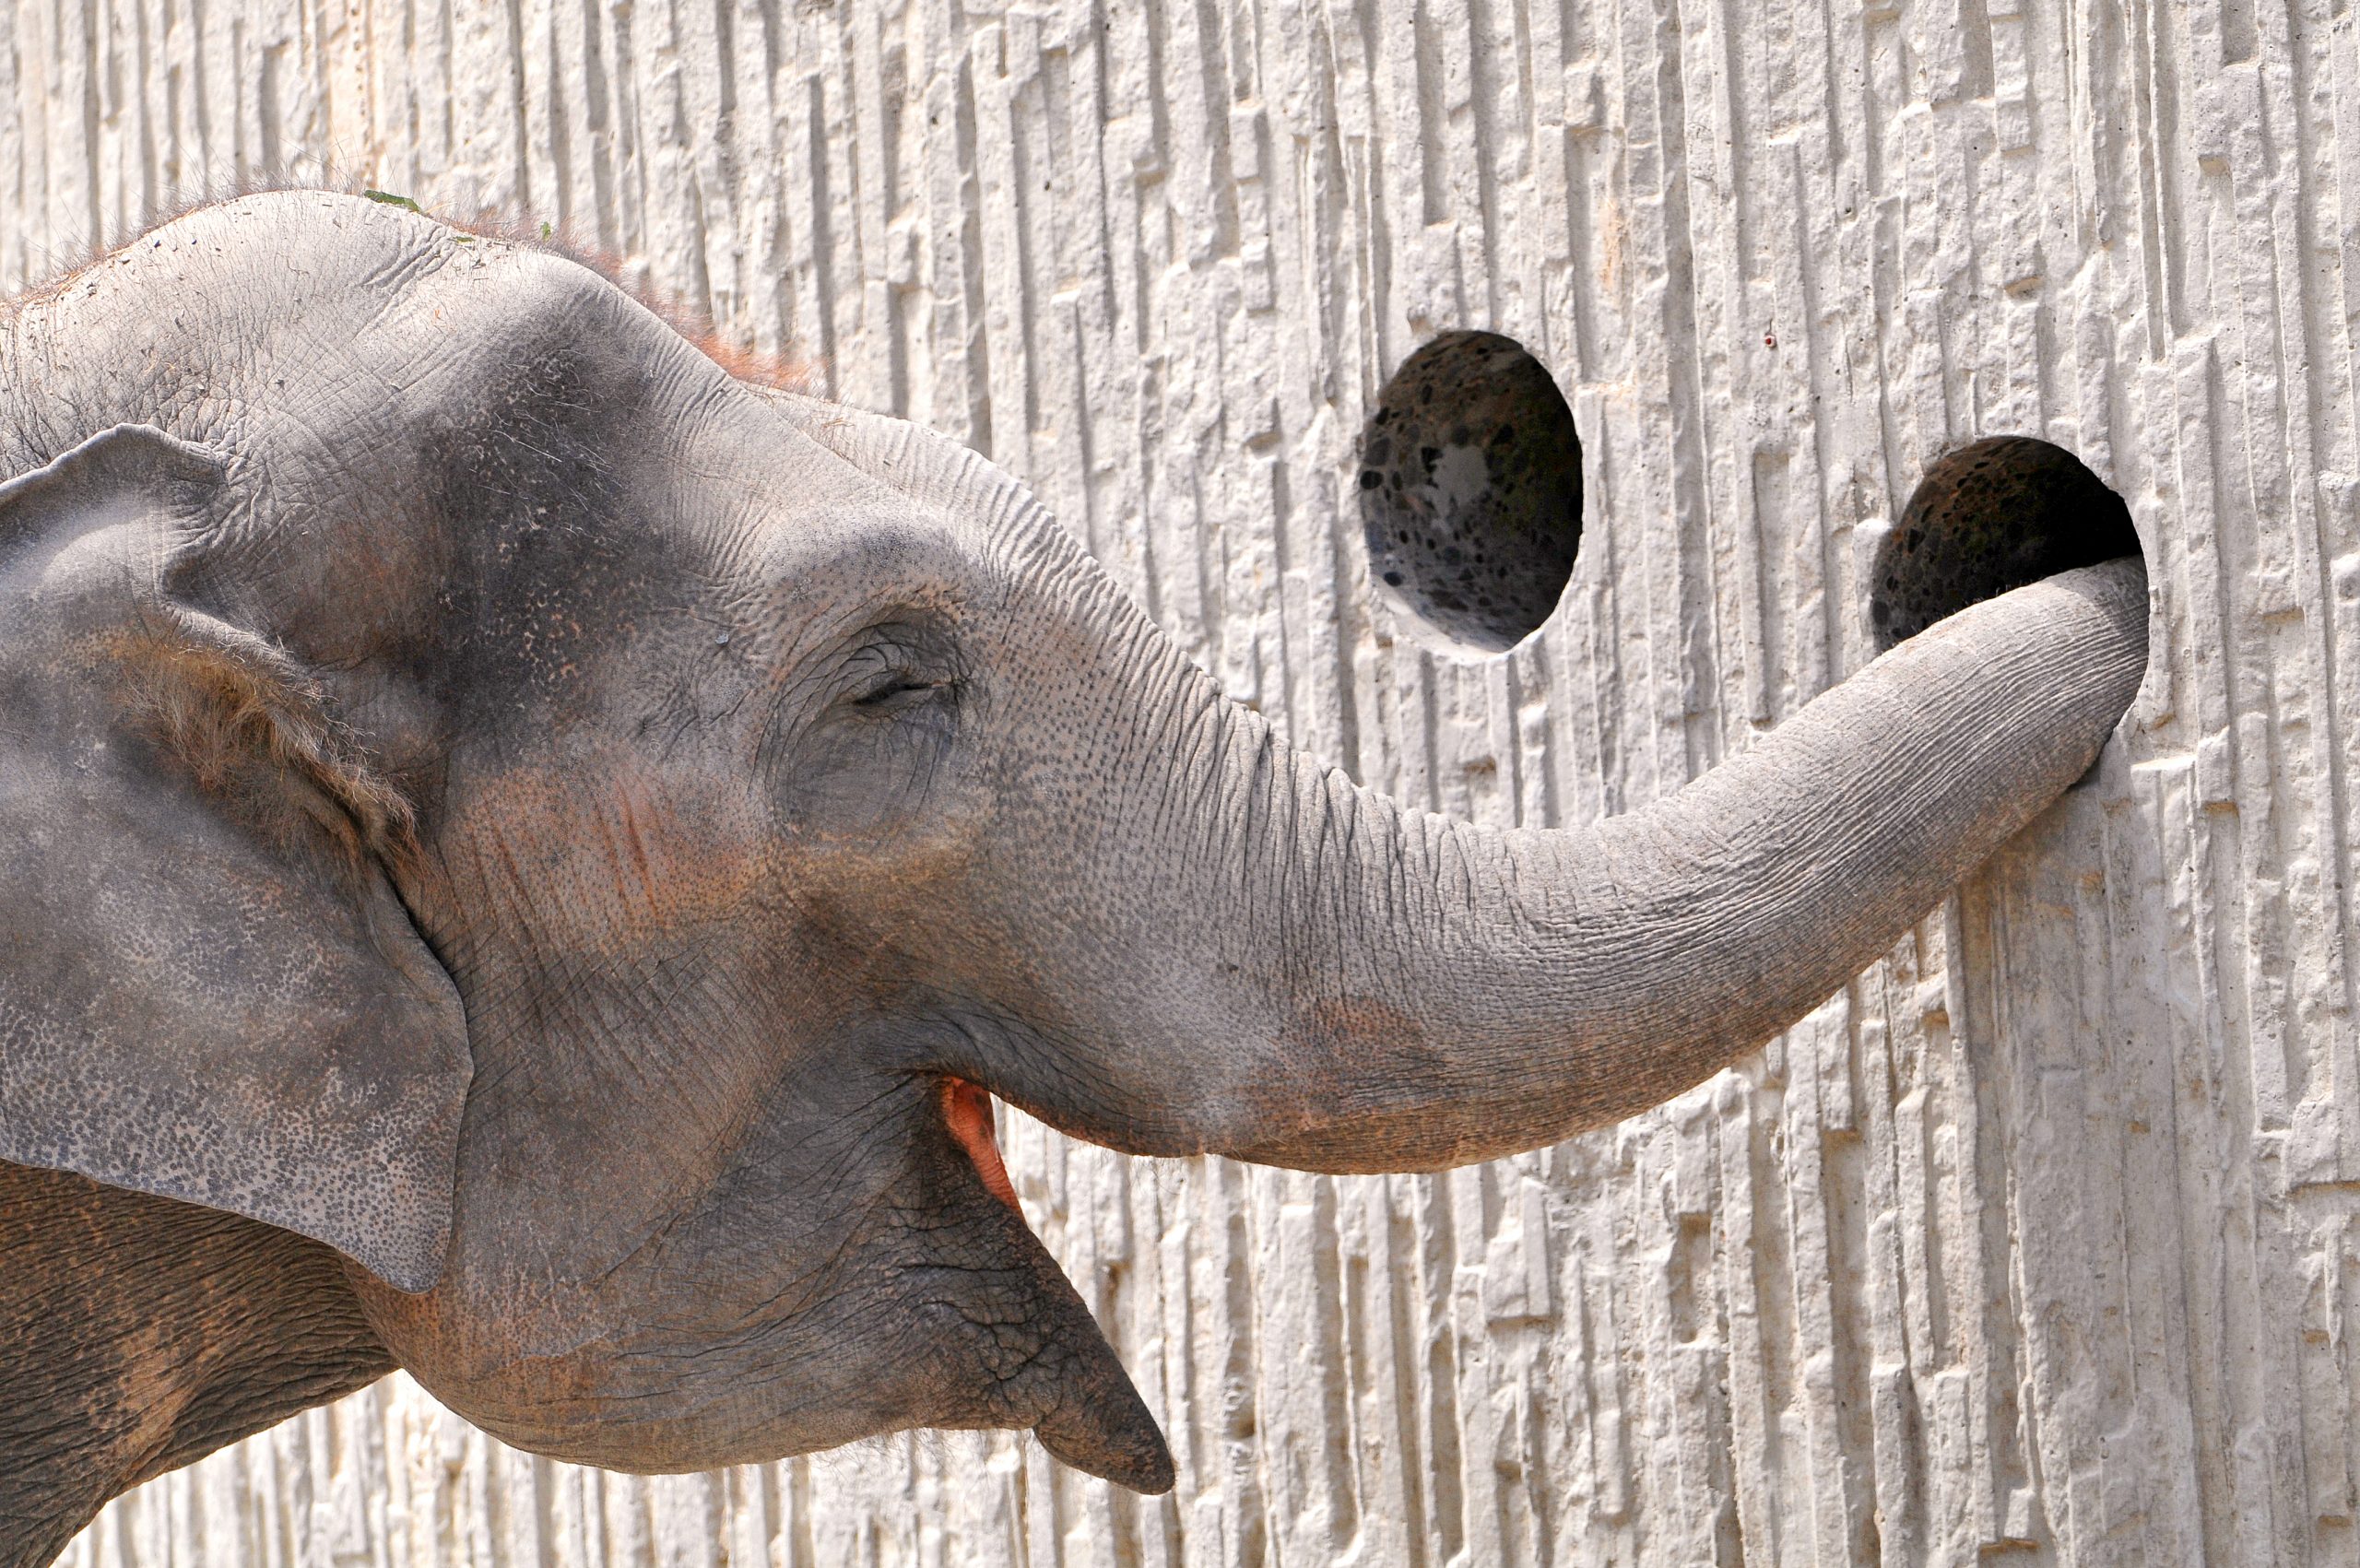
point(208, 989)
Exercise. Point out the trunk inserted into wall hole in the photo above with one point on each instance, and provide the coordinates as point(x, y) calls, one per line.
point(1470, 487)
point(1988, 517)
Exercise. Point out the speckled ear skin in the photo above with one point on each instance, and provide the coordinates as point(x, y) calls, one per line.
point(208, 990)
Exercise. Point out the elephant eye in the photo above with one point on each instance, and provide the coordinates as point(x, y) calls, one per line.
point(854, 735)
point(901, 690)
point(898, 668)
point(908, 667)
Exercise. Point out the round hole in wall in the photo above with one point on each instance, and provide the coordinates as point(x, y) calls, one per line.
point(1988, 517)
point(1470, 486)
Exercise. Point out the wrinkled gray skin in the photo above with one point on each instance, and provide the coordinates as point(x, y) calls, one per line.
point(506, 834)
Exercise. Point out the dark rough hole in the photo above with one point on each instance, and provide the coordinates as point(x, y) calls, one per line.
point(1989, 517)
point(1471, 456)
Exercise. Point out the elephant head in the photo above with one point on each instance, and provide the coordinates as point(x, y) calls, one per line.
point(585, 838)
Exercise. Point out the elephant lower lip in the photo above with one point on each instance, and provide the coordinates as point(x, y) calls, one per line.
point(1114, 1440)
point(967, 1111)
point(1098, 1423)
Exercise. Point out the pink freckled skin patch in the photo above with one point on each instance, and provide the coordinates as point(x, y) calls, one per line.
point(968, 1110)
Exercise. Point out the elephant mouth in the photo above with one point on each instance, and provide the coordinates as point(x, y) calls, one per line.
point(967, 1112)
point(1086, 1411)
point(961, 1321)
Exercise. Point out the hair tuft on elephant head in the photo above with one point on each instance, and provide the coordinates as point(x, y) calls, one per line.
point(521, 854)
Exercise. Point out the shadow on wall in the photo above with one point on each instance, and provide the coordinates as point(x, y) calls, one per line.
point(1988, 517)
point(1470, 487)
point(1470, 493)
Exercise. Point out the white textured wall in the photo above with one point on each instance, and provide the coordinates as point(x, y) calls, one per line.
point(2039, 1243)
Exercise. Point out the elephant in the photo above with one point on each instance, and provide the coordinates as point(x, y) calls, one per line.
point(529, 857)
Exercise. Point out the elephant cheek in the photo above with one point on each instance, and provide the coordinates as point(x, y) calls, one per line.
point(586, 1392)
point(443, 1345)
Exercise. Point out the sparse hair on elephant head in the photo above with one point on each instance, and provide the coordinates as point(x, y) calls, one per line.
point(546, 850)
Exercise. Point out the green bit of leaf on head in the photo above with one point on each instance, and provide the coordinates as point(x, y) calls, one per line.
point(392, 200)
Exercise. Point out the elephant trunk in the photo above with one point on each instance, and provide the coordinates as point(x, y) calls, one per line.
point(1342, 985)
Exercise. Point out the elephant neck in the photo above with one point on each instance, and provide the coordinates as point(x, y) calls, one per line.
point(138, 1334)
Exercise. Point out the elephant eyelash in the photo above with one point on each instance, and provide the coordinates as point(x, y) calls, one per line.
point(901, 686)
point(900, 665)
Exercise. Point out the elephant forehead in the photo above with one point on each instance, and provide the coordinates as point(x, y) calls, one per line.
point(855, 532)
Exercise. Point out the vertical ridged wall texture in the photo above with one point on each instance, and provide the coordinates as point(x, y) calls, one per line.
point(2036, 1242)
